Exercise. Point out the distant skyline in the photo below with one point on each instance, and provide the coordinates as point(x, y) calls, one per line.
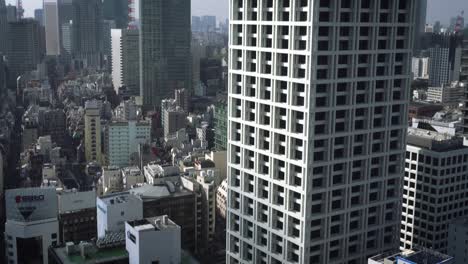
point(437, 9)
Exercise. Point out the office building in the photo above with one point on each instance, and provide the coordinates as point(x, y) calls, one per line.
point(111, 180)
point(67, 40)
point(178, 203)
point(452, 93)
point(220, 123)
point(174, 119)
point(419, 28)
point(12, 14)
point(39, 16)
point(211, 76)
point(196, 24)
point(312, 178)
point(420, 67)
point(142, 235)
point(181, 97)
point(165, 64)
point(107, 26)
point(53, 122)
point(434, 188)
point(88, 42)
point(52, 28)
point(123, 139)
point(116, 10)
point(77, 215)
point(3, 28)
point(92, 132)
point(414, 256)
point(65, 11)
point(464, 58)
point(444, 59)
point(130, 61)
point(116, 43)
point(132, 177)
point(26, 49)
point(31, 224)
point(114, 209)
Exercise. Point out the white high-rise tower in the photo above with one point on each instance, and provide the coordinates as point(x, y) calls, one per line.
point(318, 99)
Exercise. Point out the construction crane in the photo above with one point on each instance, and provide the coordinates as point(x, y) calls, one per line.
point(19, 9)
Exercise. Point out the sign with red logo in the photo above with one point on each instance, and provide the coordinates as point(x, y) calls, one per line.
point(31, 204)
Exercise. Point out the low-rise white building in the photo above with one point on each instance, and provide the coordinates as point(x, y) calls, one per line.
point(111, 180)
point(132, 176)
point(153, 240)
point(113, 210)
point(157, 174)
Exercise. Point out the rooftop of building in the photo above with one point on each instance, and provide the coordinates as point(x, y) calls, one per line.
point(96, 255)
point(433, 140)
point(155, 223)
point(169, 189)
point(416, 256)
point(117, 198)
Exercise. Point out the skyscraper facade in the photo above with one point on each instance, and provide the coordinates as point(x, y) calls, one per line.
point(39, 16)
point(3, 28)
point(130, 61)
point(116, 10)
point(87, 32)
point(26, 48)
point(421, 12)
point(318, 96)
point(444, 59)
point(164, 49)
point(52, 28)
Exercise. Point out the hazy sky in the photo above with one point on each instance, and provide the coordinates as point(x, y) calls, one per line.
point(437, 9)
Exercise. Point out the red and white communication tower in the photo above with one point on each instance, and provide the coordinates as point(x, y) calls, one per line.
point(19, 9)
point(131, 14)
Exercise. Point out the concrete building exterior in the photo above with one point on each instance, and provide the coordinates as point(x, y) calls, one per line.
point(420, 67)
point(111, 180)
point(77, 216)
point(132, 176)
point(165, 64)
point(123, 139)
point(130, 61)
point(179, 204)
point(52, 28)
point(444, 59)
point(433, 195)
point(142, 235)
point(26, 48)
point(116, 43)
point(31, 225)
point(464, 58)
point(312, 178)
point(457, 240)
point(174, 120)
point(92, 132)
point(88, 43)
point(3, 28)
point(114, 210)
point(446, 94)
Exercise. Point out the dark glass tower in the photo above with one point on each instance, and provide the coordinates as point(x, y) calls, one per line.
point(165, 49)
